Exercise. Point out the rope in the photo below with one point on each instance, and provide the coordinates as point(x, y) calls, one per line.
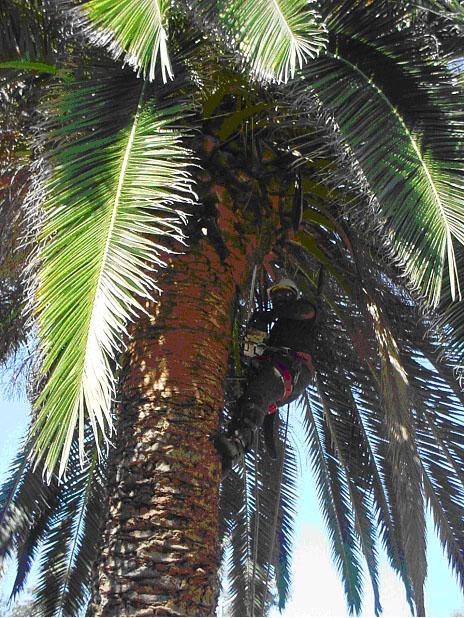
point(276, 513)
point(249, 305)
point(256, 527)
point(249, 601)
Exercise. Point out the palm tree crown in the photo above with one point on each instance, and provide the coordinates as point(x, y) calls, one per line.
point(122, 119)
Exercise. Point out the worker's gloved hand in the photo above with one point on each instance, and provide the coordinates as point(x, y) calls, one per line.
point(270, 431)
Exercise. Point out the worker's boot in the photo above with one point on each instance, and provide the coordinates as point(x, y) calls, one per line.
point(231, 448)
point(239, 438)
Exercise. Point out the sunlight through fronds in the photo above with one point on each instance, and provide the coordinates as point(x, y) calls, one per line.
point(276, 36)
point(136, 27)
point(412, 167)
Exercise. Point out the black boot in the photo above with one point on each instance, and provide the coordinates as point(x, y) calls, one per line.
point(231, 448)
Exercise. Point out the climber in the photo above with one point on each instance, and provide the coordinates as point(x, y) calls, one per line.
point(280, 369)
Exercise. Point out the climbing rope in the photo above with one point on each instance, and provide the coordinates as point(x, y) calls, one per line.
point(249, 305)
point(274, 523)
point(256, 526)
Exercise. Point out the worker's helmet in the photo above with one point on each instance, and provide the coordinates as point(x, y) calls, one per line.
point(285, 289)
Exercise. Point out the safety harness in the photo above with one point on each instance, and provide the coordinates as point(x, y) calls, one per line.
point(286, 376)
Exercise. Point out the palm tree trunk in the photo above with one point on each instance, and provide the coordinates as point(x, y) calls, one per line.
point(160, 553)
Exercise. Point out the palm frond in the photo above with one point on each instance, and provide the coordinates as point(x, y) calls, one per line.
point(63, 520)
point(334, 502)
point(70, 545)
point(286, 516)
point(277, 496)
point(385, 502)
point(118, 177)
point(406, 478)
point(353, 394)
point(451, 317)
point(238, 566)
point(28, 543)
point(452, 9)
point(25, 30)
point(136, 29)
point(353, 453)
point(400, 116)
point(276, 37)
point(17, 100)
point(441, 450)
point(26, 505)
point(79, 581)
point(259, 504)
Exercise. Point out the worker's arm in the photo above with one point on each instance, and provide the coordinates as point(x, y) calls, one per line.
point(261, 319)
point(296, 310)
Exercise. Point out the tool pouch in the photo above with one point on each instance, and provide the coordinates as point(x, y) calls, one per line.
point(254, 344)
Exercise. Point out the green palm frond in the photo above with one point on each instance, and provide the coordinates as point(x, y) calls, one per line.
point(286, 516)
point(446, 8)
point(135, 28)
point(451, 316)
point(260, 513)
point(71, 542)
point(436, 413)
point(400, 116)
point(27, 65)
point(353, 402)
point(353, 453)
point(334, 502)
point(17, 100)
point(441, 449)
point(385, 504)
point(112, 204)
point(276, 37)
point(28, 543)
point(62, 520)
point(24, 30)
point(238, 563)
point(366, 387)
point(402, 452)
point(27, 506)
point(277, 499)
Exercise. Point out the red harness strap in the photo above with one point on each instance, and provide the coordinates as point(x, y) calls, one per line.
point(286, 377)
point(307, 359)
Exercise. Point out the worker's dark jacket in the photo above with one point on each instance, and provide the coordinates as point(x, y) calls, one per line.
point(293, 327)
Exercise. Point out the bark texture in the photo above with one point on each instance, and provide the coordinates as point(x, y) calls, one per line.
point(160, 553)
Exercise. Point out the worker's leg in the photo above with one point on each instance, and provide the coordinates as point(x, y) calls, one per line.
point(264, 387)
point(303, 377)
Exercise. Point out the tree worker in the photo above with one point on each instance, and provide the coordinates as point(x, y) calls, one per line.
point(280, 369)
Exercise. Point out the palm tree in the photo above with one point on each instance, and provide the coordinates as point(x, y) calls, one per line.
point(321, 141)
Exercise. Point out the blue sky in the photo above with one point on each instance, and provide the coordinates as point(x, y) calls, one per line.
point(317, 589)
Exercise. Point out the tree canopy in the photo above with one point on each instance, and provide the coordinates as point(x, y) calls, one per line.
point(350, 112)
